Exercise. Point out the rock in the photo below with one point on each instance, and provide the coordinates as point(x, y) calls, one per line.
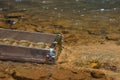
point(65, 32)
point(5, 76)
point(62, 74)
point(96, 32)
point(9, 71)
point(113, 36)
point(109, 66)
point(11, 22)
point(97, 74)
point(30, 74)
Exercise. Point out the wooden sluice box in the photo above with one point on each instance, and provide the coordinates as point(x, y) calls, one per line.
point(25, 46)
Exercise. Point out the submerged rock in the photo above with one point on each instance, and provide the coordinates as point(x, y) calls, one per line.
point(97, 74)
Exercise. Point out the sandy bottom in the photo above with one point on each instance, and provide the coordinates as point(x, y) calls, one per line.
point(89, 53)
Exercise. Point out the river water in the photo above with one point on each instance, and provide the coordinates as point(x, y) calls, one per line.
point(97, 13)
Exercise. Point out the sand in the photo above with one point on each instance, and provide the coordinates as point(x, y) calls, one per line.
point(91, 48)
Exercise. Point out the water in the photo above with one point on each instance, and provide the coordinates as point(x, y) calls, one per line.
point(95, 13)
point(62, 5)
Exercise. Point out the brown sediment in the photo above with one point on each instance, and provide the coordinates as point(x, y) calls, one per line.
point(91, 49)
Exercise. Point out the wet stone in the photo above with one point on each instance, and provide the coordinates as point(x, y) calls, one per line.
point(97, 74)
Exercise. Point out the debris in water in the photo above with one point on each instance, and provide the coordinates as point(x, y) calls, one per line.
point(55, 8)
point(102, 9)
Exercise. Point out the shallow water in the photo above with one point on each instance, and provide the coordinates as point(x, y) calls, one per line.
point(73, 13)
point(90, 28)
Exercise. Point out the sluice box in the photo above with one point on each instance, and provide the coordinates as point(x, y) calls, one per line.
point(25, 46)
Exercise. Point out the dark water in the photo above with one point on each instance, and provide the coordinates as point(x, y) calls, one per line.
point(72, 6)
point(77, 12)
point(62, 5)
